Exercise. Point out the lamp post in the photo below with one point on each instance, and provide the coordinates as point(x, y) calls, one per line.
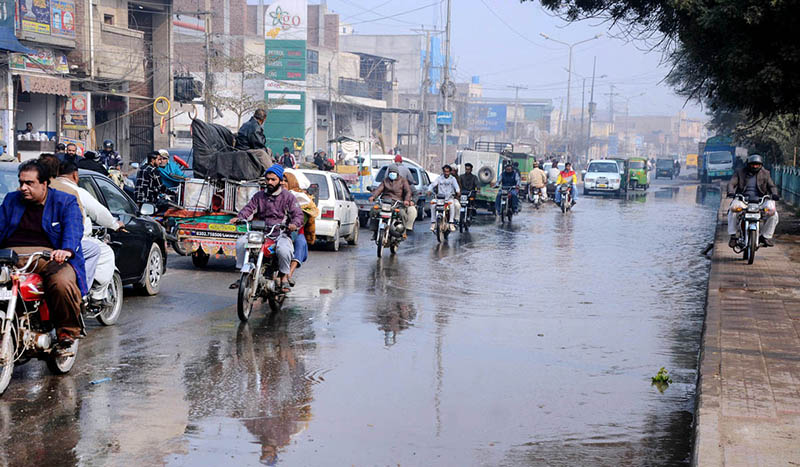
point(569, 79)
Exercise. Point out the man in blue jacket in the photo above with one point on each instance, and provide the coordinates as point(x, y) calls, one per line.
point(37, 218)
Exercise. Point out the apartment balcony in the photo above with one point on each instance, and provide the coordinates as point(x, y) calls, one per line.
point(378, 90)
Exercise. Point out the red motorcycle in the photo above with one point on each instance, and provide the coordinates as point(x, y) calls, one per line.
point(25, 328)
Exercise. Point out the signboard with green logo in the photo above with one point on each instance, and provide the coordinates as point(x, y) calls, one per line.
point(286, 60)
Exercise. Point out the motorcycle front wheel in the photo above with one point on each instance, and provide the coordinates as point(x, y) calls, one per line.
point(462, 220)
point(752, 244)
point(379, 241)
point(510, 213)
point(60, 364)
point(6, 358)
point(246, 297)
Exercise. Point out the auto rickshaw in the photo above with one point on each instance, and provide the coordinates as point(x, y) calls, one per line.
point(638, 175)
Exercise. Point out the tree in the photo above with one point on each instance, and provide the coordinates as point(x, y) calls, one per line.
point(236, 97)
point(733, 55)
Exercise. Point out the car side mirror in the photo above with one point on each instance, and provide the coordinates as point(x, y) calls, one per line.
point(135, 165)
point(147, 209)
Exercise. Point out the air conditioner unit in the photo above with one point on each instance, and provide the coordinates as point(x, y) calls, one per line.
point(322, 122)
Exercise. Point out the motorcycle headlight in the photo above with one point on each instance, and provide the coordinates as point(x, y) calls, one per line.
point(255, 237)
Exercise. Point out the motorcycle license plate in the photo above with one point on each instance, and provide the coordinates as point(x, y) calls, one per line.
point(6, 294)
point(386, 215)
point(752, 216)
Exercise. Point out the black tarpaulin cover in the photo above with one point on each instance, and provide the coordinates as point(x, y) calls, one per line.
point(215, 156)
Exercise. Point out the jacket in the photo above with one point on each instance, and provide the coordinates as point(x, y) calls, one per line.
point(94, 211)
point(509, 179)
point(398, 190)
point(273, 209)
point(567, 177)
point(447, 186)
point(763, 179)
point(537, 178)
point(251, 136)
point(62, 221)
point(93, 165)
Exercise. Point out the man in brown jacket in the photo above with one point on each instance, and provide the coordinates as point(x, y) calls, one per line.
point(753, 182)
point(396, 188)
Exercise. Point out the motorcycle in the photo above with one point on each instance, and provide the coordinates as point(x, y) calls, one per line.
point(506, 205)
point(749, 217)
point(260, 279)
point(390, 226)
point(467, 211)
point(566, 197)
point(535, 196)
point(442, 225)
point(26, 331)
point(105, 311)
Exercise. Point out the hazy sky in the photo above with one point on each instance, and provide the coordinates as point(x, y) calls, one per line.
point(500, 41)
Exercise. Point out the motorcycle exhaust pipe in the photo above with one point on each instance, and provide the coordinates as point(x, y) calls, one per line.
point(39, 341)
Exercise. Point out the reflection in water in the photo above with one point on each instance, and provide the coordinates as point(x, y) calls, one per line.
point(394, 309)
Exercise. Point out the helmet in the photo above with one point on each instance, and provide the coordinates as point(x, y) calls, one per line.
point(755, 159)
point(108, 145)
point(398, 158)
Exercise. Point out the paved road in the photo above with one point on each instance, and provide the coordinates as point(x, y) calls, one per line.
point(512, 345)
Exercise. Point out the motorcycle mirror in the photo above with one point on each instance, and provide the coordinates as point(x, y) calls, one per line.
point(147, 209)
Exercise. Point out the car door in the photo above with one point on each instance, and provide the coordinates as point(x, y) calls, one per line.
point(132, 246)
point(339, 211)
point(349, 203)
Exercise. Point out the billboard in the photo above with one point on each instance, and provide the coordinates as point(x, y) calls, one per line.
point(486, 117)
point(63, 18)
point(286, 60)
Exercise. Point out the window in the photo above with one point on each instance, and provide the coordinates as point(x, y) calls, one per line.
point(108, 19)
point(86, 184)
point(312, 62)
point(719, 157)
point(9, 181)
point(321, 182)
point(414, 175)
point(115, 200)
point(347, 195)
point(337, 185)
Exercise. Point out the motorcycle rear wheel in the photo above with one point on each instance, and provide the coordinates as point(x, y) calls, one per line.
point(111, 314)
point(462, 220)
point(510, 212)
point(59, 365)
point(6, 356)
point(752, 240)
point(246, 297)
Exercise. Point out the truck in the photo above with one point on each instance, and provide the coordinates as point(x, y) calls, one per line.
point(487, 159)
point(715, 158)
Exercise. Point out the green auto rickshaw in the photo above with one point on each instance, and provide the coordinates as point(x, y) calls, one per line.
point(638, 176)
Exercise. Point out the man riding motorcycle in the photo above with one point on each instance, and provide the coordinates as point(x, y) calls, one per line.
point(509, 180)
point(468, 181)
point(396, 188)
point(754, 183)
point(447, 185)
point(567, 176)
point(109, 157)
point(537, 180)
point(37, 218)
point(274, 206)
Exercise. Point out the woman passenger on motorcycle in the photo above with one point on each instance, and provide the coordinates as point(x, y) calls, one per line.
point(567, 176)
point(306, 234)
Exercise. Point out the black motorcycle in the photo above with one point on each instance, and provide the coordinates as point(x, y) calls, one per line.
point(467, 213)
point(390, 225)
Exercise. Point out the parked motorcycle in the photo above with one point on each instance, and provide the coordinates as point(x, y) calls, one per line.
point(390, 225)
point(566, 197)
point(749, 222)
point(441, 207)
point(467, 213)
point(25, 328)
point(506, 205)
point(259, 277)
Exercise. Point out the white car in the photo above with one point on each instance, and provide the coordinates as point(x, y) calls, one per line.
point(338, 213)
point(601, 175)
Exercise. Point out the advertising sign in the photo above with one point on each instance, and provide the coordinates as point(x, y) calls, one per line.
point(286, 19)
point(487, 117)
point(286, 60)
point(63, 18)
point(35, 16)
point(44, 61)
point(76, 111)
point(444, 118)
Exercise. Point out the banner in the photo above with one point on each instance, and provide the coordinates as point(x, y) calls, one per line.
point(286, 20)
point(76, 111)
point(63, 18)
point(44, 61)
point(486, 117)
point(35, 15)
point(81, 145)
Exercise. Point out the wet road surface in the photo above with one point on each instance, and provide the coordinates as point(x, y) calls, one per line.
point(528, 344)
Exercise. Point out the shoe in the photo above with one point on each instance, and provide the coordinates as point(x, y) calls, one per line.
point(65, 342)
point(733, 241)
point(452, 228)
point(573, 203)
point(767, 241)
point(290, 281)
point(233, 286)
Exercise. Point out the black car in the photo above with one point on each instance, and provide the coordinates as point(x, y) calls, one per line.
point(665, 168)
point(141, 252)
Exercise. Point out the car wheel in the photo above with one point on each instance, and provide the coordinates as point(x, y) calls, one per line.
point(353, 239)
point(153, 272)
point(335, 241)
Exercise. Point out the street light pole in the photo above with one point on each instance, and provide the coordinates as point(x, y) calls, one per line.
point(569, 81)
point(516, 109)
point(446, 82)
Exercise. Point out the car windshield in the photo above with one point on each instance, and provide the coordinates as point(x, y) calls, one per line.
point(664, 164)
point(321, 181)
point(636, 164)
point(602, 167)
point(9, 181)
point(382, 174)
point(719, 157)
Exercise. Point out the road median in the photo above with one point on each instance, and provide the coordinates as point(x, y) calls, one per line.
point(748, 392)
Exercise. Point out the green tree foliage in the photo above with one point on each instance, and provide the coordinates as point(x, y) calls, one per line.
point(741, 58)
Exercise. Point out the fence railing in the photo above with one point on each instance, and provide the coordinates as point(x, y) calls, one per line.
point(788, 181)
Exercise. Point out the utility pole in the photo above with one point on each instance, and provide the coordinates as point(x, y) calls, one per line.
point(583, 104)
point(446, 81)
point(516, 89)
point(569, 81)
point(331, 121)
point(611, 104)
point(208, 106)
point(592, 107)
point(424, 84)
